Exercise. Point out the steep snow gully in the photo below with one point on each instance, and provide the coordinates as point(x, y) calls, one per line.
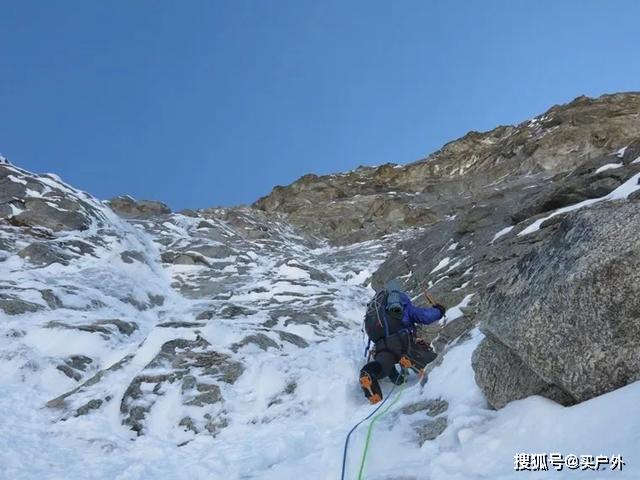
point(226, 346)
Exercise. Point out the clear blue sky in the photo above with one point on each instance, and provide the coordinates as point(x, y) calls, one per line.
point(202, 103)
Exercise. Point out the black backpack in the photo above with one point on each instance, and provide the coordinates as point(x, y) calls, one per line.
point(384, 315)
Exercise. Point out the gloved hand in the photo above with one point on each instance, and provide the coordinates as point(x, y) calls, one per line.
point(442, 309)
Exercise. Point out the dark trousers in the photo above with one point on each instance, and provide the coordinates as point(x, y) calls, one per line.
point(388, 353)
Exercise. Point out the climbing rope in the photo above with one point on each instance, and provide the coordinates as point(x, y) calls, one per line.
point(346, 442)
point(370, 431)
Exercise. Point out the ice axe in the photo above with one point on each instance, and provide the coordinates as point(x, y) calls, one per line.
point(422, 374)
point(424, 291)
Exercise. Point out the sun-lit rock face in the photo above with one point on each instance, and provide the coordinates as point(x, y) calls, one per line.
point(234, 332)
point(476, 169)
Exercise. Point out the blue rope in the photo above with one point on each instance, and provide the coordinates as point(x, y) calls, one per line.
point(346, 442)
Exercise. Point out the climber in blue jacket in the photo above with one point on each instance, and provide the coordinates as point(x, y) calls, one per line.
point(412, 314)
point(390, 323)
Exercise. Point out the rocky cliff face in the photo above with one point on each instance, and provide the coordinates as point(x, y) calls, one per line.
point(480, 170)
point(564, 320)
point(122, 316)
point(481, 206)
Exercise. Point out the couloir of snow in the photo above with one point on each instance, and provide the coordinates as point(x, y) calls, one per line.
point(303, 436)
point(273, 432)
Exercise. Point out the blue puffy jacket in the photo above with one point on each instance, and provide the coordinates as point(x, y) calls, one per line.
point(412, 314)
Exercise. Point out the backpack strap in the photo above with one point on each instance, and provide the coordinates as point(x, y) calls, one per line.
point(366, 350)
point(384, 316)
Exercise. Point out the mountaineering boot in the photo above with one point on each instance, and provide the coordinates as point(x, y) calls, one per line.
point(397, 378)
point(370, 387)
point(405, 362)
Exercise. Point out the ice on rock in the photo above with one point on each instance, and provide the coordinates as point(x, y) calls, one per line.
point(609, 166)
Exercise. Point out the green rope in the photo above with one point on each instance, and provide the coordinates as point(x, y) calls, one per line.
point(370, 430)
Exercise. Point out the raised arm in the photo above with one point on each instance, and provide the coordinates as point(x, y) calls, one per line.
point(424, 316)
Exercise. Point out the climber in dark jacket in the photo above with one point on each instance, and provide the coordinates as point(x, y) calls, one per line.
point(390, 323)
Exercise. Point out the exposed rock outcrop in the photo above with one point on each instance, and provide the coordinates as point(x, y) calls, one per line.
point(564, 321)
point(368, 202)
point(43, 202)
point(127, 207)
point(192, 364)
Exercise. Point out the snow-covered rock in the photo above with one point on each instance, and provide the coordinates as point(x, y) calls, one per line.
point(563, 321)
point(226, 342)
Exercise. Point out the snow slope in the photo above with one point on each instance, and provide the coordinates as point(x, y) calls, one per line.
point(285, 307)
